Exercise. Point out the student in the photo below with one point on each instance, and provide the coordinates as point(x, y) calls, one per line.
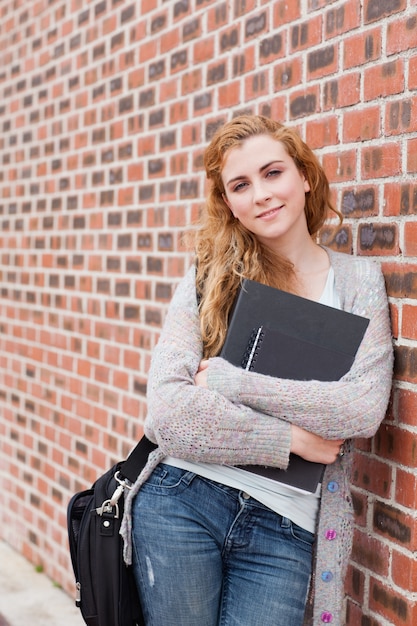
point(213, 544)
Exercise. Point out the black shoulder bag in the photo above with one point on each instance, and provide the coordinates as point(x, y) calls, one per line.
point(105, 588)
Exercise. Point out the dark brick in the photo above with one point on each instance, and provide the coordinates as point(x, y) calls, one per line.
point(388, 521)
point(83, 17)
point(180, 7)
point(255, 25)
point(163, 292)
point(400, 112)
point(165, 241)
point(202, 101)
point(191, 29)
point(133, 266)
point(408, 199)
point(100, 8)
point(114, 219)
point(128, 13)
point(390, 601)
point(112, 263)
point(331, 92)
point(157, 69)
point(117, 40)
point(124, 241)
point(358, 202)
point(138, 387)
point(154, 264)
point(146, 192)
point(131, 312)
point(378, 236)
point(115, 84)
point(153, 317)
point(134, 217)
point(157, 118)
point(155, 166)
point(126, 104)
point(144, 241)
point(299, 35)
point(303, 105)
point(179, 59)
point(103, 285)
point(158, 23)
point(79, 222)
point(335, 20)
point(321, 58)
point(376, 9)
point(229, 40)
point(122, 289)
point(189, 189)
point(216, 74)
point(147, 98)
point(271, 45)
point(168, 139)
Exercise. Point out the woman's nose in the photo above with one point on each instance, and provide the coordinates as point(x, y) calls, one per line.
point(261, 193)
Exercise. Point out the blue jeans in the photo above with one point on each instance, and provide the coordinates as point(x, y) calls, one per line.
point(210, 555)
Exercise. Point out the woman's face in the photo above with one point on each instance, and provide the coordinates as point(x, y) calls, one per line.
point(266, 192)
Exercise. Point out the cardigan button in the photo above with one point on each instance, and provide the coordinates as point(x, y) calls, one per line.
point(333, 486)
point(326, 617)
point(331, 534)
point(327, 577)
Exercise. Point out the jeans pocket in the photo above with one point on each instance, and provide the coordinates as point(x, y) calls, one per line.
point(168, 480)
point(302, 535)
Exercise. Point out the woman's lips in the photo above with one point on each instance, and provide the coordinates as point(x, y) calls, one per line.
point(269, 213)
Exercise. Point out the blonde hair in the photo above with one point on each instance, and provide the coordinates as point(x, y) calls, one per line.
point(225, 250)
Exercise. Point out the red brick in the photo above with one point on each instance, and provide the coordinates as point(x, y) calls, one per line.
point(323, 132)
point(362, 48)
point(340, 166)
point(371, 553)
point(373, 475)
point(401, 34)
point(361, 124)
point(412, 156)
point(381, 161)
point(396, 445)
point(406, 488)
point(384, 79)
point(406, 406)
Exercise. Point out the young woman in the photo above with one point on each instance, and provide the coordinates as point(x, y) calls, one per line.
point(215, 544)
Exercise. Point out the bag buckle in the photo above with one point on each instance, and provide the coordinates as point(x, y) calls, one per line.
point(107, 509)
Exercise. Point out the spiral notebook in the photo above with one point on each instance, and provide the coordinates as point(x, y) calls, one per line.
point(283, 335)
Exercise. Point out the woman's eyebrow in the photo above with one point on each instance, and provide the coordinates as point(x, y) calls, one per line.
point(261, 169)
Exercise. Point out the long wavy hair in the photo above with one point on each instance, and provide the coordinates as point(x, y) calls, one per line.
point(226, 252)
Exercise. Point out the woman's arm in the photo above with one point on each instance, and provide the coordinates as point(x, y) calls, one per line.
point(191, 422)
point(351, 407)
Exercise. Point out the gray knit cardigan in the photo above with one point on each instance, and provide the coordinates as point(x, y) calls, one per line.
point(244, 417)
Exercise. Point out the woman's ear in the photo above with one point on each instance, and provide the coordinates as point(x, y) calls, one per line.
point(226, 201)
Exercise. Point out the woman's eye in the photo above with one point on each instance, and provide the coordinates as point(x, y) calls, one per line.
point(239, 187)
point(273, 173)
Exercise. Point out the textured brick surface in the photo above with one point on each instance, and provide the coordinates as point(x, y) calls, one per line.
point(105, 109)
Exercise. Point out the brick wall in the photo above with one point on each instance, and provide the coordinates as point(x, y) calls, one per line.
point(105, 108)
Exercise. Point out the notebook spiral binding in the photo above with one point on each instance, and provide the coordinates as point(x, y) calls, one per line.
point(252, 349)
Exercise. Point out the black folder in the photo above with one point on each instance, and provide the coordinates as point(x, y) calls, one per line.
point(284, 335)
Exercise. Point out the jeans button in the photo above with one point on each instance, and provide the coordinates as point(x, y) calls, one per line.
point(245, 496)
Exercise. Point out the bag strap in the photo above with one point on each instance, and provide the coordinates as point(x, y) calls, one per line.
point(136, 461)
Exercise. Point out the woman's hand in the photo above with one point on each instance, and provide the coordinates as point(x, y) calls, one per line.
point(200, 378)
point(313, 447)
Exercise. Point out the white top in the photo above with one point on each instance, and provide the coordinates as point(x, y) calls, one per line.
point(299, 506)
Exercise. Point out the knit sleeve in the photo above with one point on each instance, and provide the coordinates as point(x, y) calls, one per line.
point(196, 423)
point(354, 406)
